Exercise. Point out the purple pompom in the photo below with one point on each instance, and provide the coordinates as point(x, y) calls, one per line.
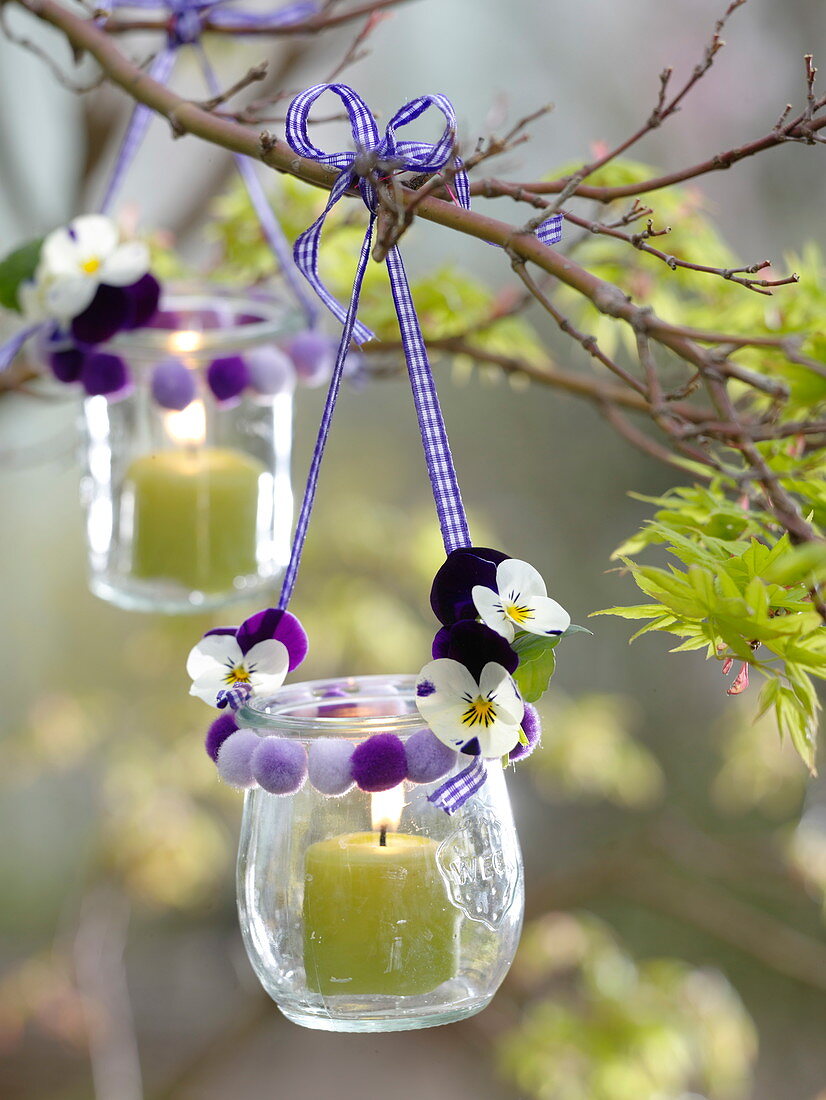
point(106, 314)
point(380, 762)
point(428, 758)
point(235, 758)
point(330, 762)
point(104, 374)
point(218, 732)
point(270, 370)
point(313, 355)
point(227, 377)
point(532, 725)
point(66, 365)
point(142, 300)
point(173, 386)
point(280, 765)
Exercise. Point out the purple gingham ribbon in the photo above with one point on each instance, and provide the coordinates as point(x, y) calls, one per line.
point(550, 231)
point(233, 697)
point(384, 154)
point(453, 794)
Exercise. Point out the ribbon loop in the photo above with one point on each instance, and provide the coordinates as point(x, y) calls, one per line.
point(365, 131)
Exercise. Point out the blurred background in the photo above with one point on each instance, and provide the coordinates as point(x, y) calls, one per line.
point(675, 852)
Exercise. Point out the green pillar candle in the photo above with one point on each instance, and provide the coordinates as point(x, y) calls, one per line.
point(377, 918)
point(194, 516)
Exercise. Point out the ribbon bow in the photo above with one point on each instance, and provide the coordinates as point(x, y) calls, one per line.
point(184, 27)
point(374, 154)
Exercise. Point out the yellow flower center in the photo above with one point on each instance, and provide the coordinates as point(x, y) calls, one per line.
point(237, 675)
point(91, 265)
point(518, 613)
point(481, 712)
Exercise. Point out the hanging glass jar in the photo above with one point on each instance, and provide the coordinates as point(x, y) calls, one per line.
point(372, 911)
point(187, 482)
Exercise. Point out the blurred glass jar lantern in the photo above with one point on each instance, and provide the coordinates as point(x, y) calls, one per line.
point(367, 912)
point(187, 485)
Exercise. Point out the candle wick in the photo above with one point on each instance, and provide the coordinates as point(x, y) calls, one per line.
point(383, 837)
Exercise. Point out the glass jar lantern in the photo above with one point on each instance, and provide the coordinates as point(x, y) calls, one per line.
point(374, 912)
point(189, 509)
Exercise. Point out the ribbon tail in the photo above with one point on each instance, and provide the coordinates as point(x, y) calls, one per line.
point(160, 70)
point(446, 494)
point(305, 253)
point(453, 794)
point(267, 219)
point(326, 419)
point(12, 346)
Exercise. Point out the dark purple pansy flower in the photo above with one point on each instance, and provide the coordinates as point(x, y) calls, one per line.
point(105, 315)
point(173, 386)
point(104, 374)
point(66, 365)
point(450, 596)
point(474, 645)
point(142, 301)
point(227, 377)
point(271, 623)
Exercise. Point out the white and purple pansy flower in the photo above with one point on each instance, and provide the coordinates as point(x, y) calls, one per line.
point(78, 258)
point(519, 602)
point(460, 708)
point(231, 663)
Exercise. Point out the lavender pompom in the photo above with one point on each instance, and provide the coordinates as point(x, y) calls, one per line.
point(173, 386)
point(280, 765)
point(380, 762)
point(104, 374)
point(532, 725)
point(235, 758)
point(270, 370)
point(222, 728)
point(428, 758)
point(329, 765)
point(313, 355)
point(227, 377)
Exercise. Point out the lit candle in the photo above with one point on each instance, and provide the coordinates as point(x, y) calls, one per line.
point(193, 509)
point(377, 917)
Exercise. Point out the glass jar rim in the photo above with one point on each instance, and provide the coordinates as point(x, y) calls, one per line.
point(275, 318)
point(273, 711)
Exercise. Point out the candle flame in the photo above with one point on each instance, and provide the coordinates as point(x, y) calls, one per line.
point(185, 341)
point(386, 808)
point(188, 425)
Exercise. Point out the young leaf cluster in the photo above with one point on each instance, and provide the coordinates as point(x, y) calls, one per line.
point(736, 591)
